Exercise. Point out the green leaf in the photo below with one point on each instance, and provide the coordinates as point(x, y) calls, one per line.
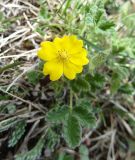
point(34, 77)
point(34, 152)
point(117, 49)
point(91, 44)
point(4, 97)
point(63, 156)
point(40, 31)
point(11, 108)
point(84, 153)
point(115, 83)
point(83, 102)
point(8, 123)
point(80, 84)
point(105, 25)
point(97, 61)
point(123, 72)
point(52, 139)
point(17, 133)
point(99, 15)
point(1, 16)
point(96, 80)
point(67, 5)
point(57, 114)
point(126, 89)
point(72, 131)
point(43, 14)
point(84, 116)
point(89, 20)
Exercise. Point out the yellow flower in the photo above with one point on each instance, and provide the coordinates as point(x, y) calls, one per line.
point(64, 56)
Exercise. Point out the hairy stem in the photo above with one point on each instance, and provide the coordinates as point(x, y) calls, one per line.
point(71, 101)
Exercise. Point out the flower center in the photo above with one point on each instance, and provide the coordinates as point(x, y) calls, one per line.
point(63, 55)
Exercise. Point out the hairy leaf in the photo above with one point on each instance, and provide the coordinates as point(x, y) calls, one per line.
point(106, 25)
point(52, 139)
point(17, 133)
point(97, 61)
point(80, 84)
point(34, 77)
point(57, 114)
point(115, 83)
point(8, 123)
point(72, 131)
point(84, 153)
point(33, 153)
point(84, 116)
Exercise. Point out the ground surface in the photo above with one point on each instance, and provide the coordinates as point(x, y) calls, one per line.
point(26, 95)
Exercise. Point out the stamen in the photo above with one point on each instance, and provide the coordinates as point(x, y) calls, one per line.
point(63, 55)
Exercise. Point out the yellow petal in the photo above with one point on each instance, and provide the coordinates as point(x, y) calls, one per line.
point(71, 69)
point(79, 58)
point(79, 61)
point(47, 51)
point(69, 43)
point(75, 42)
point(75, 45)
point(54, 68)
point(58, 42)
